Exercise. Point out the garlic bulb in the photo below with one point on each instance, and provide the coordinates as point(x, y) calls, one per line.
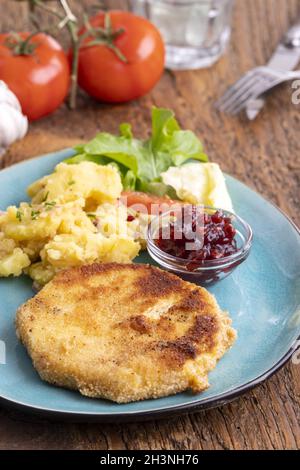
point(13, 124)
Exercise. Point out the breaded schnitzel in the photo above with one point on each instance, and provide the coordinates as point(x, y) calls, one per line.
point(124, 332)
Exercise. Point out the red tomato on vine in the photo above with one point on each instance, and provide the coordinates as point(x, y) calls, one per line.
point(121, 57)
point(36, 69)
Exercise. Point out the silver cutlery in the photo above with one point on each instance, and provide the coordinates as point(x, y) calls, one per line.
point(251, 86)
point(247, 93)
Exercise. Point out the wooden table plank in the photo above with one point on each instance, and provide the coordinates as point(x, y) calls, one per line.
point(264, 154)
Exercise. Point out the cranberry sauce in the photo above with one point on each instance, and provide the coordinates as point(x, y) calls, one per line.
point(198, 236)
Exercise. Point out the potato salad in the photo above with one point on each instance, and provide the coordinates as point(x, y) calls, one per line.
point(74, 218)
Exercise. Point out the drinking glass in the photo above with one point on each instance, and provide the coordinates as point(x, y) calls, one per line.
point(196, 32)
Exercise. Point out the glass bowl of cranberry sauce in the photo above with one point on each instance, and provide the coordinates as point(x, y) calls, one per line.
point(201, 244)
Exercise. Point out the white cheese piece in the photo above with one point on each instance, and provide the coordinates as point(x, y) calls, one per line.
point(199, 183)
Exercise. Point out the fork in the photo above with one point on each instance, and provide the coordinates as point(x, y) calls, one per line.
point(252, 85)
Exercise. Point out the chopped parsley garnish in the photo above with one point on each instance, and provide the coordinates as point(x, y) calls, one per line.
point(35, 214)
point(71, 182)
point(19, 215)
point(45, 197)
point(91, 216)
point(50, 205)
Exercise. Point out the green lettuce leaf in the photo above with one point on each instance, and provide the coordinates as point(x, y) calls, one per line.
point(141, 162)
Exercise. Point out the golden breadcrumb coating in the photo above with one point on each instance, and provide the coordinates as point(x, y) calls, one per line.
point(124, 332)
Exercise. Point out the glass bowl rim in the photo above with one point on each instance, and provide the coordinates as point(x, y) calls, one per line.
point(206, 265)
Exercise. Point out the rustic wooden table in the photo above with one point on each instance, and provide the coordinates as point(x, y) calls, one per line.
point(264, 154)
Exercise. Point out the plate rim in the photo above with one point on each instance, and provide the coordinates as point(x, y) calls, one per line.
point(157, 413)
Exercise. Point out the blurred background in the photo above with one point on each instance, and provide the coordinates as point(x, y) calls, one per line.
point(250, 151)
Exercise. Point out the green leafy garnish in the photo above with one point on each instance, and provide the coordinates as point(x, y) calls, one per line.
point(141, 162)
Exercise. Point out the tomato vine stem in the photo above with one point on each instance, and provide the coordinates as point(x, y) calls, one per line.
point(104, 36)
point(67, 19)
point(20, 46)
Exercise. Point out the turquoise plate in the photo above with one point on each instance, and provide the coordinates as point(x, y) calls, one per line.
point(262, 296)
